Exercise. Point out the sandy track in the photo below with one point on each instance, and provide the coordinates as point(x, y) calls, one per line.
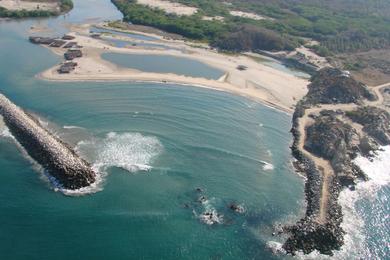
point(323, 165)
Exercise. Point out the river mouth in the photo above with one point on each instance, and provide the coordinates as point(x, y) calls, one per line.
point(234, 150)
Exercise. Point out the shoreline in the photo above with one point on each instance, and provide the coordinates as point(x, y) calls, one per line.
point(263, 102)
point(259, 82)
point(322, 227)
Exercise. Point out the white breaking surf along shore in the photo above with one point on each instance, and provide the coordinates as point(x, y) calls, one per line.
point(273, 87)
point(377, 170)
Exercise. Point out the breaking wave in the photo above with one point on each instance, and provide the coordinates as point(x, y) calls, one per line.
point(209, 215)
point(72, 127)
point(267, 166)
point(130, 151)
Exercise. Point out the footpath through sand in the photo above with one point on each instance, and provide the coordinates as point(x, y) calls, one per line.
point(323, 165)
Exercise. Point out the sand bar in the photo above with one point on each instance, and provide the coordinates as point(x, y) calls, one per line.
point(259, 82)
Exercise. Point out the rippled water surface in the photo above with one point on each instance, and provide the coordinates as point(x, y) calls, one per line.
point(153, 145)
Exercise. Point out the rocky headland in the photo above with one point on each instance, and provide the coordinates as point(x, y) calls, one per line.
point(56, 157)
point(338, 119)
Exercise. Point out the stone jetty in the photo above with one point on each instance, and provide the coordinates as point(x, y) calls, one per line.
point(339, 119)
point(58, 159)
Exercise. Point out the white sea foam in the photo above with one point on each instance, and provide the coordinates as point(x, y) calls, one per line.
point(267, 166)
point(210, 215)
point(4, 132)
point(130, 151)
point(72, 127)
point(42, 122)
point(378, 172)
point(276, 247)
point(93, 188)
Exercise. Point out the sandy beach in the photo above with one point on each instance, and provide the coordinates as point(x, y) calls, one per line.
point(259, 82)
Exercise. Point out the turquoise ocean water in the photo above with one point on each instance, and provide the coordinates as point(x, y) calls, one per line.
point(153, 146)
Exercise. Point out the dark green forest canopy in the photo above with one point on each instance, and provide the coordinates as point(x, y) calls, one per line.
point(341, 26)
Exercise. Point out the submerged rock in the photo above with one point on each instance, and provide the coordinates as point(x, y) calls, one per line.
point(211, 217)
point(237, 208)
point(60, 161)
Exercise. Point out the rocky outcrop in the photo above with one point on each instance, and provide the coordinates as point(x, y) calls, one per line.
point(60, 161)
point(333, 86)
point(330, 136)
point(308, 234)
point(375, 122)
point(332, 139)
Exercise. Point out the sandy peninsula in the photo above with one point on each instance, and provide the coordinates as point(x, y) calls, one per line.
point(259, 82)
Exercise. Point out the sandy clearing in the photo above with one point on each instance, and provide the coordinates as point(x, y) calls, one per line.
point(169, 7)
point(28, 5)
point(213, 18)
point(248, 15)
point(311, 56)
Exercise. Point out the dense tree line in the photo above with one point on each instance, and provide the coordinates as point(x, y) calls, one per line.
point(252, 38)
point(339, 25)
point(232, 34)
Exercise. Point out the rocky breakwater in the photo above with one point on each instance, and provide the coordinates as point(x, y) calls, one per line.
point(331, 125)
point(58, 159)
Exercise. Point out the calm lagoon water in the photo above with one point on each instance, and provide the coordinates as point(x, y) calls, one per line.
point(164, 64)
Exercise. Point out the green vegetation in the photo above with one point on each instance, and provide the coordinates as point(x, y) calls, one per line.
point(341, 26)
point(232, 34)
point(65, 6)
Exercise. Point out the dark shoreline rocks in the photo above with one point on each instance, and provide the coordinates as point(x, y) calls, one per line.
point(61, 162)
point(308, 234)
point(332, 138)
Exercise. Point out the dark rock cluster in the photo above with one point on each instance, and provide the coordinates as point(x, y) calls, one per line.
point(331, 137)
point(71, 171)
point(333, 86)
point(375, 122)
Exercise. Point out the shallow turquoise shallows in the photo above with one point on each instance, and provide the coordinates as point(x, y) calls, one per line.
point(154, 145)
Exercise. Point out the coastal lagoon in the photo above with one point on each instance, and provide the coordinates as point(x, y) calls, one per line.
point(164, 64)
point(154, 145)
